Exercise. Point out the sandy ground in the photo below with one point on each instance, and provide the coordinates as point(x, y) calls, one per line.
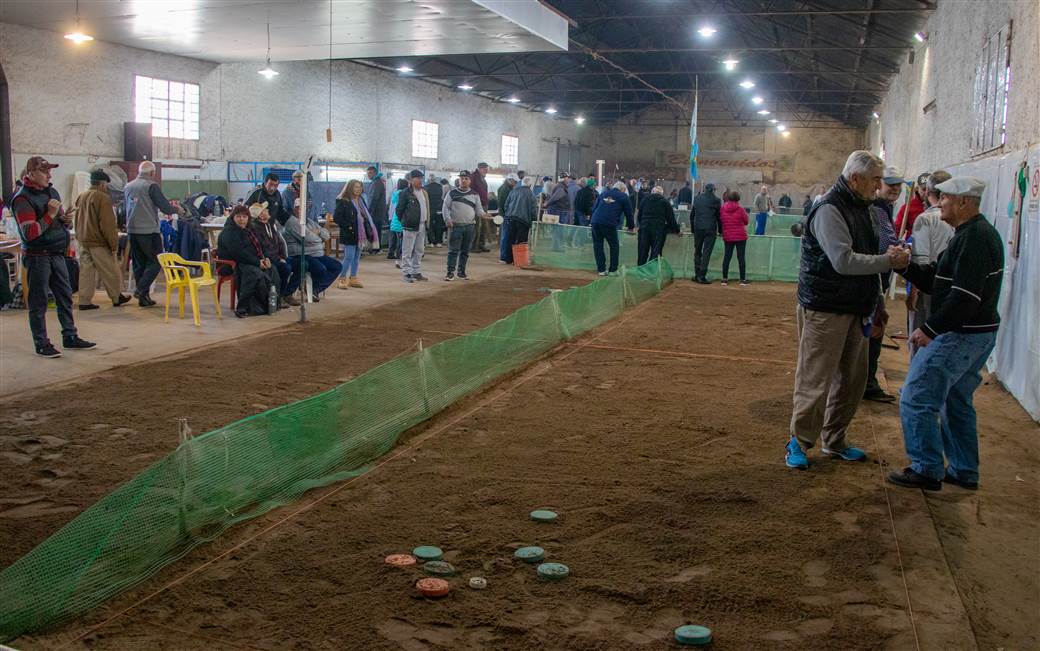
point(675, 508)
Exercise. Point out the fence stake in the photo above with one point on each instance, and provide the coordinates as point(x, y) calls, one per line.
point(422, 377)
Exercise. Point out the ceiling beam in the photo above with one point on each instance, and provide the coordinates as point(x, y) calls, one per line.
point(720, 14)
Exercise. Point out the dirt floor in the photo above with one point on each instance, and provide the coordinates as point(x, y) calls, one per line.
point(666, 469)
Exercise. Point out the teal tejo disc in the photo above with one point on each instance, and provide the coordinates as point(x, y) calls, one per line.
point(553, 571)
point(530, 554)
point(543, 515)
point(428, 553)
point(692, 635)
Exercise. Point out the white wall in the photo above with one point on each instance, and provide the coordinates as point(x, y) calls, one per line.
point(69, 102)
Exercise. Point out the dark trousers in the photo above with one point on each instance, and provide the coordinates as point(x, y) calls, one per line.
point(741, 261)
point(703, 243)
point(393, 250)
point(651, 241)
point(144, 253)
point(873, 355)
point(435, 234)
point(519, 232)
point(284, 272)
point(480, 234)
point(460, 238)
point(48, 271)
point(608, 232)
point(323, 271)
point(505, 242)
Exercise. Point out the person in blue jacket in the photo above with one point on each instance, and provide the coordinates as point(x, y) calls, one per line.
point(606, 220)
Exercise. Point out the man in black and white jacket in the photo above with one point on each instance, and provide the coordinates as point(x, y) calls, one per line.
point(462, 208)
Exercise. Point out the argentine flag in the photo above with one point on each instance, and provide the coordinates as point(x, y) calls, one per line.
point(694, 147)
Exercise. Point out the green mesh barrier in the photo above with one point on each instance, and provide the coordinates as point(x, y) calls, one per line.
point(570, 247)
point(242, 470)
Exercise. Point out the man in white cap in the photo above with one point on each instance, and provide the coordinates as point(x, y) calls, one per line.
point(936, 401)
point(930, 237)
point(881, 210)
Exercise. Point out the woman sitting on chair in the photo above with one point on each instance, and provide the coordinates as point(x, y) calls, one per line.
point(254, 273)
point(273, 245)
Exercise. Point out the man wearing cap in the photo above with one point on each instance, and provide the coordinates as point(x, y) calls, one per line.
point(505, 250)
point(144, 200)
point(413, 209)
point(42, 227)
point(935, 405)
point(276, 206)
point(461, 209)
point(291, 195)
point(435, 233)
point(931, 236)
point(705, 222)
point(909, 211)
point(881, 210)
point(838, 288)
point(98, 237)
point(478, 182)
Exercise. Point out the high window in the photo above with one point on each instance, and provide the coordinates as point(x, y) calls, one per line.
point(171, 106)
point(424, 139)
point(990, 96)
point(510, 150)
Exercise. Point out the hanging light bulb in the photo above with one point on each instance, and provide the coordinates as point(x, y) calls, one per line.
point(580, 119)
point(551, 110)
point(730, 64)
point(267, 71)
point(78, 36)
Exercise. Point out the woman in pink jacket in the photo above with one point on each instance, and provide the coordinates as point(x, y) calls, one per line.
point(734, 234)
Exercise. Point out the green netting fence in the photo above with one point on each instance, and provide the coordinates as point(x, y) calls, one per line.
point(242, 470)
point(778, 223)
point(570, 247)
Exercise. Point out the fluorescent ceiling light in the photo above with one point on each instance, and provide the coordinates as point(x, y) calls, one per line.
point(513, 100)
point(781, 128)
point(920, 37)
point(731, 64)
point(747, 84)
point(580, 119)
point(773, 121)
point(763, 112)
point(756, 100)
point(78, 37)
point(785, 134)
point(551, 111)
point(707, 31)
point(268, 71)
point(403, 69)
point(465, 87)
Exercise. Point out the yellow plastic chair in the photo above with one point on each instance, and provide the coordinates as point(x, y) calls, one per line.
point(176, 270)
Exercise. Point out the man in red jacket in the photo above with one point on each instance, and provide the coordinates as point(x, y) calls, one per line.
point(478, 182)
point(916, 205)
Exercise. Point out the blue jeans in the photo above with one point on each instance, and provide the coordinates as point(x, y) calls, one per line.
point(351, 260)
point(760, 223)
point(935, 405)
point(608, 232)
point(460, 239)
point(505, 246)
point(322, 268)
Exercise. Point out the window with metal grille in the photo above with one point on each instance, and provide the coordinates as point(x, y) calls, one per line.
point(171, 106)
point(510, 150)
point(990, 96)
point(424, 139)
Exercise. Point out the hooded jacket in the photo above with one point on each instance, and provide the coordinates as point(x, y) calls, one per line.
point(734, 222)
point(610, 207)
point(41, 234)
point(270, 239)
point(239, 244)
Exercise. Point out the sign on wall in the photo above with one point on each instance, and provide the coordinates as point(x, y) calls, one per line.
point(749, 160)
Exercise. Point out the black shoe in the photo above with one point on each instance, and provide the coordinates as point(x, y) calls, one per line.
point(703, 281)
point(145, 301)
point(89, 306)
point(878, 395)
point(241, 314)
point(966, 485)
point(48, 351)
point(449, 277)
point(463, 276)
point(75, 343)
point(315, 298)
point(421, 278)
point(123, 299)
point(909, 478)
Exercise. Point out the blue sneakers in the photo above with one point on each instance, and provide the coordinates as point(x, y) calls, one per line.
point(795, 457)
point(848, 454)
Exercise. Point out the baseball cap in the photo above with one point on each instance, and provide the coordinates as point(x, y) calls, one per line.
point(464, 173)
point(97, 176)
point(963, 186)
point(38, 163)
point(893, 176)
point(482, 164)
point(922, 179)
point(416, 174)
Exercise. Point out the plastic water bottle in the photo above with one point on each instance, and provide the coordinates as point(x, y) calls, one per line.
point(272, 300)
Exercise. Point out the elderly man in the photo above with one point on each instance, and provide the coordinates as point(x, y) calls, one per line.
point(43, 229)
point(881, 211)
point(291, 194)
point(98, 237)
point(705, 222)
point(655, 219)
point(763, 204)
point(931, 236)
point(478, 181)
point(144, 201)
point(936, 401)
point(505, 253)
point(413, 209)
point(276, 206)
point(607, 213)
point(838, 289)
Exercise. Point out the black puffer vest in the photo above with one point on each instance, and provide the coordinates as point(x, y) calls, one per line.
point(820, 287)
point(54, 240)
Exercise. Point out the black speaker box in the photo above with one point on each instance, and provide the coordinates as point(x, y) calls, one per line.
point(137, 141)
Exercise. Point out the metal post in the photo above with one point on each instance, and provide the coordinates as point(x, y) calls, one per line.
point(599, 173)
point(422, 377)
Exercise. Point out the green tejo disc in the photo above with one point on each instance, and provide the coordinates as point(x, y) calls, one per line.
point(530, 554)
point(553, 571)
point(439, 568)
point(428, 553)
point(543, 515)
point(692, 635)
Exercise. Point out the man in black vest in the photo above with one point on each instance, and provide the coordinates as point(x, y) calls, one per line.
point(838, 289)
point(43, 228)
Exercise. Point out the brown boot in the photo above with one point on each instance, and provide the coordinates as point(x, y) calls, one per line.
point(354, 282)
point(291, 300)
point(343, 284)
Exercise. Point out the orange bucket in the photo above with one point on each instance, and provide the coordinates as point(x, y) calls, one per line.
point(521, 255)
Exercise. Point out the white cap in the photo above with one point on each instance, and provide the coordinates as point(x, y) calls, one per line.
point(963, 186)
point(512, 177)
point(893, 175)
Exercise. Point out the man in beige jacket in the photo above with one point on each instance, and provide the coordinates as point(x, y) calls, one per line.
point(98, 239)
